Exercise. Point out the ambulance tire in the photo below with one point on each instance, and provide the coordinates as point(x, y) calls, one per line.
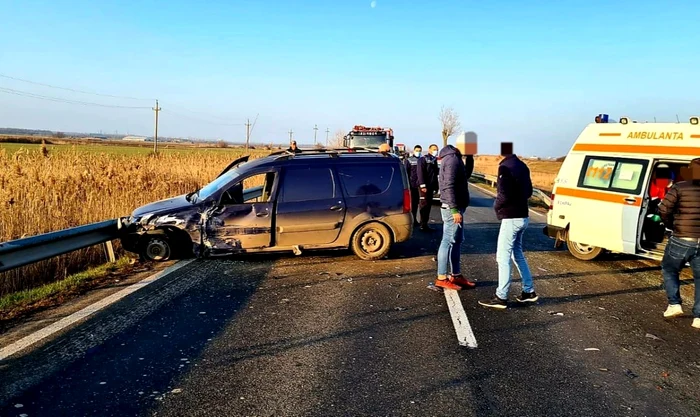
point(582, 251)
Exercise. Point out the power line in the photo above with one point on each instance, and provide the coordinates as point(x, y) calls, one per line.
point(74, 90)
point(65, 100)
point(202, 120)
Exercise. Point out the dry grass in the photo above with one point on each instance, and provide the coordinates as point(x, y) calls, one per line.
point(44, 191)
point(542, 173)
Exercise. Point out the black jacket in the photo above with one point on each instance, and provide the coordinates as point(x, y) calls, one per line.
point(680, 209)
point(428, 172)
point(411, 164)
point(453, 178)
point(514, 189)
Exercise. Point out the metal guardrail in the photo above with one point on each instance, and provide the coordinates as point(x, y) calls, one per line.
point(21, 252)
point(492, 179)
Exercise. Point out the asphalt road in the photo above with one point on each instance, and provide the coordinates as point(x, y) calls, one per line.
point(327, 334)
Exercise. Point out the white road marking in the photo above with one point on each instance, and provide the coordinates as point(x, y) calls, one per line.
point(27, 341)
point(465, 335)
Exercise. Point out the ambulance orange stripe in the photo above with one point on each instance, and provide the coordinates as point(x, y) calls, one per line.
point(653, 150)
point(695, 136)
point(597, 195)
point(609, 134)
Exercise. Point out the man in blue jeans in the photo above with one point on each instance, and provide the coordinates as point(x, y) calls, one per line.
point(680, 211)
point(454, 196)
point(514, 190)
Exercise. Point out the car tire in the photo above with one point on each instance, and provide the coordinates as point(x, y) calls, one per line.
point(155, 247)
point(371, 241)
point(582, 251)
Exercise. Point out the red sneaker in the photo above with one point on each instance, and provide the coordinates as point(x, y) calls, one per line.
point(461, 281)
point(447, 284)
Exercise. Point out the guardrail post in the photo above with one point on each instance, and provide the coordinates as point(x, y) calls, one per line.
point(109, 252)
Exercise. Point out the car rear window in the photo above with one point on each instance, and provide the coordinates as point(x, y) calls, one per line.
point(307, 183)
point(363, 180)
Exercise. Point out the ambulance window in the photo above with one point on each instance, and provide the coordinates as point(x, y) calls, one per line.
point(598, 173)
point(628, 176)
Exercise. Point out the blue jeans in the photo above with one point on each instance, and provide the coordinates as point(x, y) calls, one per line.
point(678, 253)
point(451, 244)
point(510, 245)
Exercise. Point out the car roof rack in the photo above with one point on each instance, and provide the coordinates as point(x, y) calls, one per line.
point(332, 152)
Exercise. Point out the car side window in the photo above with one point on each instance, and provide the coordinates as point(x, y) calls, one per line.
point(253, 189)
point(308, 183)
point(613, 174)
point(360, 181)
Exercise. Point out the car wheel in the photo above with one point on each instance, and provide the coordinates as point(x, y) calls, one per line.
point(583, 251)
point(371, 241)
point(156, 247)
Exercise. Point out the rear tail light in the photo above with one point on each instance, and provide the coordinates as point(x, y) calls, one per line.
point(551, 203)
point(406, 200)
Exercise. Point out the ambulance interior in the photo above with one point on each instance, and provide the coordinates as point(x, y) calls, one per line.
point(664, 174)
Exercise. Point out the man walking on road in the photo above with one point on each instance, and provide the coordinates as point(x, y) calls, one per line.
point(428, 182)
point(454, 196)
point(411, 164)
point(514, 190)
point(680, 211)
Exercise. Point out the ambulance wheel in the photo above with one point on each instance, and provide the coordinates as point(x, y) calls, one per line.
point(583, 251)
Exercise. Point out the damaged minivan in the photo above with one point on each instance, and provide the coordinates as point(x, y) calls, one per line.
point(316, 199)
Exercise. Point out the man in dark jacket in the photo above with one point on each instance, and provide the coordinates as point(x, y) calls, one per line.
point(514, 190)
point(454, 196)
point(411, 164)
point(680, 211)
point(428, 183)
point(293, 147)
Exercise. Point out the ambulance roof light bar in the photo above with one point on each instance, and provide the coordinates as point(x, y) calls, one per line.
point(694, 120)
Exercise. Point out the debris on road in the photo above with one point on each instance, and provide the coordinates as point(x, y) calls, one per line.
point(555, 313)
point(542, 269)
point(630, 374)
point(603, 369)
point(176, 390)
point(592, 349)
point(400, 308)
point(651, 336)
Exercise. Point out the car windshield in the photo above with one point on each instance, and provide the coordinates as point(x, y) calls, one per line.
point(209, 189)
point(368, 140)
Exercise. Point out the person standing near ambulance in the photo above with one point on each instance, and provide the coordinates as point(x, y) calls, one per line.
point(428, 183)
point(680, 211)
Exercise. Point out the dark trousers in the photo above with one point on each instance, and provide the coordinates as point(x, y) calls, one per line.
point(426, 203)
point(415, 195)
point(678, 253)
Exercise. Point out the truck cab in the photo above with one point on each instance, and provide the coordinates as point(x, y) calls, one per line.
point(369, 137)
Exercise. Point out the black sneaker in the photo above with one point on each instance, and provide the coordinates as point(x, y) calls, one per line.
point(495, 302)
point(527, 297)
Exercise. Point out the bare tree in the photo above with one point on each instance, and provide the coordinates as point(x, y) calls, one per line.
point(449, 120)
point(338, 139)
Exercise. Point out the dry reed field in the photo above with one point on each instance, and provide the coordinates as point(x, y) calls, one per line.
point(542, 173)
point(42, 190)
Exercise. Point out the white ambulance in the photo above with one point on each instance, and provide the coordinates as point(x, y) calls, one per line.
point(601, 199)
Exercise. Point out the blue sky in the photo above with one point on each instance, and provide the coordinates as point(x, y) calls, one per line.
point(533, 73)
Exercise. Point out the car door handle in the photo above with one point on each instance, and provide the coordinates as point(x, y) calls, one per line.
point(630, 200)
point(337, 208)
point(262, 214)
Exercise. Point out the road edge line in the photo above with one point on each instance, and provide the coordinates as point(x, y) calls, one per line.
point(59, 325)
point(465, 334)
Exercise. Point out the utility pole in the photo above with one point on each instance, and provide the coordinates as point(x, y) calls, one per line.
point(327, 132)
point(155, 136)
point(290, 136)
point(315, 130)
point(247, 134)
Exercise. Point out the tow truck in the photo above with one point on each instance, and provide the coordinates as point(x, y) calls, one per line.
point(369, 137)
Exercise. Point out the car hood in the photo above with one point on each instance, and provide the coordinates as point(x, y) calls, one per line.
point(169, 205)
